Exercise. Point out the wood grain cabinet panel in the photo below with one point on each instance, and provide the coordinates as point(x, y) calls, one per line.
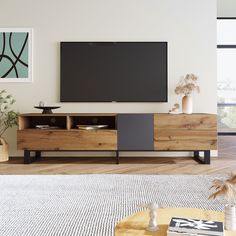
point(185, 132)
point(67, 140)
point(171, 132)
point(186, 122)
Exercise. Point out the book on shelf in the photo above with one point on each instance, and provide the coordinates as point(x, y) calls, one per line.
point(46, 127)
point(195, 227)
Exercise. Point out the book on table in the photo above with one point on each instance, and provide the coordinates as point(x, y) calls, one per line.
point(192, 227)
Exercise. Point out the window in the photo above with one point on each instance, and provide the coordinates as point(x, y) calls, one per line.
point(226, 73)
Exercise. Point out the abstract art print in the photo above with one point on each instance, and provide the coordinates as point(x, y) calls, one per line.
point(15, 55)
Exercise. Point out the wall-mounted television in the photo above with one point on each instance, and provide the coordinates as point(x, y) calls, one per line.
point(113, 72)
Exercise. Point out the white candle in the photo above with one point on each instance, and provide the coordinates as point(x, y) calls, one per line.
point(230, 217)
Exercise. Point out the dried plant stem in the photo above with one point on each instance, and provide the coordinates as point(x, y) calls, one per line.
point(188, 85)
point(225, 188)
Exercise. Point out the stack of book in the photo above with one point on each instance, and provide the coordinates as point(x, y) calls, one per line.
point(46, 127)
point(194, 227)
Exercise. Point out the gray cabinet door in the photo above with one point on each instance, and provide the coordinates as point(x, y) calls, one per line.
point(135, 132)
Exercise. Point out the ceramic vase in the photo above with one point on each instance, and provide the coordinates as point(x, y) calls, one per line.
point(230, 217)
point(187, 104)
point(3, 150)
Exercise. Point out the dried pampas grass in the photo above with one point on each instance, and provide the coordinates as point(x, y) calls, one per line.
point(225, 188)
point(188, 85)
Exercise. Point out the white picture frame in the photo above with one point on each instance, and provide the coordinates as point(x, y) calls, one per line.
point(20, 71)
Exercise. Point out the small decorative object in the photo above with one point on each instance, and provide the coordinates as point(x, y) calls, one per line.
point(152, 226)
point(186, 226)
point(227, 189)
point(187, 86)
point(16, 55)
point(175, 109)
point(41, 104)
point(230, 217)
point(8, 118)
point(47, 109)
point(91, 127)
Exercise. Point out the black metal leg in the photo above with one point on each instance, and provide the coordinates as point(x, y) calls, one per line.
point(27, 158)
point(207, 157)
point(196, 154)
point(117, 157)
point(38, 154)
point(205, 160)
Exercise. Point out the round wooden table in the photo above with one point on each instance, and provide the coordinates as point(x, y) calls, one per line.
point(136, 224)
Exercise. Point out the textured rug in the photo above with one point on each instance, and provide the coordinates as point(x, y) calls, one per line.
point(91, 205)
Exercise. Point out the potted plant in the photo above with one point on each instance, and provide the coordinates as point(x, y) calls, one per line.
point(187, 86)
point(227, 189)
point(8, 118)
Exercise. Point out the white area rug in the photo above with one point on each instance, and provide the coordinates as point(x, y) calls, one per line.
point(90, 205)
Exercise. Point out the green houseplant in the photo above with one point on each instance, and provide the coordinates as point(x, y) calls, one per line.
point(8, 119)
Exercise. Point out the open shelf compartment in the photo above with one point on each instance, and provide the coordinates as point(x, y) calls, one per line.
point(54, 122)
point(93, 120)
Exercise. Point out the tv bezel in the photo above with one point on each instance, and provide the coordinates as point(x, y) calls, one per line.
point(102, 101)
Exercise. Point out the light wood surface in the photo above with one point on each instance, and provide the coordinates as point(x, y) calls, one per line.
point(196, 121)
point(35, 139)
point(141, 163)
point(171, 132)
point(135, 225)
point(71, 114)
point(69, 122)
point(23, 122)
point(66, 136)
point(185, 132)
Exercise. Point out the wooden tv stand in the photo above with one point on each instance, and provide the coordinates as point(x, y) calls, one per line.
point(125, 132)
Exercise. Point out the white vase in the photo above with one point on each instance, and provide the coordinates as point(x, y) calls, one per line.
point(230, 217)
point(3, 150)
point(187, 104)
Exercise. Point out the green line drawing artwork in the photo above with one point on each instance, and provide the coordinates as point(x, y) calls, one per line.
point(15, 55)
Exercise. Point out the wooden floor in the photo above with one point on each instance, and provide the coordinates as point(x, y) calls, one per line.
point(225, 163)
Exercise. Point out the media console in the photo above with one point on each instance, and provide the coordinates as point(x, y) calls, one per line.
point(124, 132)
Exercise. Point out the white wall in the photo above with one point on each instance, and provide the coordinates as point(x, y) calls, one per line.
point(189, 26)
point(226, 8)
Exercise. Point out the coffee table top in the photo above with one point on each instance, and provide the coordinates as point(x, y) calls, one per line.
point(136, 224)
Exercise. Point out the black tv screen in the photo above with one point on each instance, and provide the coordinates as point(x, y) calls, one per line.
point(113, 71)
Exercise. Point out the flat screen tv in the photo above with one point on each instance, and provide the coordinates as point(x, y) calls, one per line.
point(113, 72)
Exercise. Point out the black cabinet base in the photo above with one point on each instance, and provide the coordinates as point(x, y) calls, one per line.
point(28, 159)
point(205, 160)
point(117, 158)
point(37, 155)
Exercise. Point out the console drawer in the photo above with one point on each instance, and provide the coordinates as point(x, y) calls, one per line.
point(185, 121)
point(67, 140)
point(174, 139)
point(185, 132)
